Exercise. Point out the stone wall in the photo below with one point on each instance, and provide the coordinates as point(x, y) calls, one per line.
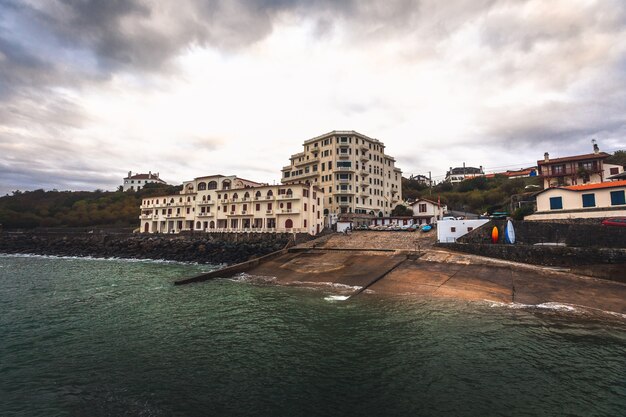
point(607, 263)
point(574, 234)
point(202, 248)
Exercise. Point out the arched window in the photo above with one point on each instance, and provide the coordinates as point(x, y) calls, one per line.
point(326, 212)
point(180, 200)
point(226, 185)
point(146, 228)
point(201, 186)
point(203, 198)
point(212, 185)
point(270, 193)
point(212, 225)
point(288, 224)
point(289, 192)
point(172, 200)
point(198, 225)
point(258, 194)
point(246, 195)
point(235, 196)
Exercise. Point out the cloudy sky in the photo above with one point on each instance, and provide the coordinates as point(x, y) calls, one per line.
point(90, 89)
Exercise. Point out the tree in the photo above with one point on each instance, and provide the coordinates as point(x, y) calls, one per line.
point(401, 210)
point(618, 158)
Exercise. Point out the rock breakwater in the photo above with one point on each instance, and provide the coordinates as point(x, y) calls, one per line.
point(201, 248)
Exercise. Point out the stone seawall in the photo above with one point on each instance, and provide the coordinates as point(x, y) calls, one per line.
point(569, 233)
point(606, 263)
point(226, 248)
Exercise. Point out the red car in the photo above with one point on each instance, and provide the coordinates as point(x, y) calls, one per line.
point(615, 221)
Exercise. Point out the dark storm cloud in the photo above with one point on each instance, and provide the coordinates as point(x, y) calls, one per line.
point(51, 46)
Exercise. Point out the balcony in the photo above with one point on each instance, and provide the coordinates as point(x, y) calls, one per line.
point(364, 184)
point(344, 192)
point(288, 211)
point(364, 158)
point(364, 147)
point(344, 156)
point(364, 173)
point(344, 169)
point(205, 214)
point(269, 211)
point(205, 203)
point(344, 181)
point(311, 160)
point(288, 197)
point(224, 201)
point(344, 204)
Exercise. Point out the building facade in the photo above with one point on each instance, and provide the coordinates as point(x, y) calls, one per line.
point(428, 211)
point(138, 181)
point(573, 170)
point(600, 200)
point(458, 174)
point(218, 203)
point(353, 171)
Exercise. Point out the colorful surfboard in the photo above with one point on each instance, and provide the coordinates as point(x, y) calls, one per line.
point(494, 234)
point(509, 233)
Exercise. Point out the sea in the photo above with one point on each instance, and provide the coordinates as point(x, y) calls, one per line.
point(112, 337)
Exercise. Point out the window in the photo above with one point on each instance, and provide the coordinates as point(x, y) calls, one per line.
point(617, 198)
point(614, 171)
point(422, 208)
point(589, 200)
point(556, 203)
point(453, 229)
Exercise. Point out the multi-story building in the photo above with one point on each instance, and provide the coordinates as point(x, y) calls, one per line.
point(352, 169)
point(573, 170)
point(230, 204)
point(137, 181)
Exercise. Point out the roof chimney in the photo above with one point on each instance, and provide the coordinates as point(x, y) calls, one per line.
point(130, 174)
point(546, 157)
point(596, 149)
point(149, 174)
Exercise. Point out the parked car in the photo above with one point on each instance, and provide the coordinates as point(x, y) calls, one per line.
point(615, 221)
point(448, 218)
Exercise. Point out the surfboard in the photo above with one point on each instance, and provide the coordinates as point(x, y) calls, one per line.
point(494, 234)
point(509, 232)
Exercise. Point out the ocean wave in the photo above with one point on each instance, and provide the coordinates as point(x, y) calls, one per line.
point(554, 306)
point(334, 285)
point(336, 297)
point(94, 258)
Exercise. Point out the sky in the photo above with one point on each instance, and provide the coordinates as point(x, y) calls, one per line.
point(92, 89)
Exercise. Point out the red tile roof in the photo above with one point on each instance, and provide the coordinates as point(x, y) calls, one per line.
point(601, 155)
point(596, 186)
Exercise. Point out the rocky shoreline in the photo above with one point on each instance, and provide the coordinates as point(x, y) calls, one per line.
point(200, 248)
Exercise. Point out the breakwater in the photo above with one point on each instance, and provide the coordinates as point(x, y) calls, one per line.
point(202, 248)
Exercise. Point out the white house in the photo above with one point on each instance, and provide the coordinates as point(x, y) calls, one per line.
point(599, 200)
point(428, 211)
point(138, 181)
point(449, 231)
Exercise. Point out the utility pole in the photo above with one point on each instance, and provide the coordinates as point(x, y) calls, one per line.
point(430, 183)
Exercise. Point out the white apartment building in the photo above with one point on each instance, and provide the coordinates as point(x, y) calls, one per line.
point(353, 171)
point(138, 181)
point(218, 203)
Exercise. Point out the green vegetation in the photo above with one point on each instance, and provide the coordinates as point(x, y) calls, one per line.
point(618, 158)
point(41, 208)
point(477, 195)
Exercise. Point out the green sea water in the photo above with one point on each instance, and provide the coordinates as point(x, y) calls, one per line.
point(87, 337)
